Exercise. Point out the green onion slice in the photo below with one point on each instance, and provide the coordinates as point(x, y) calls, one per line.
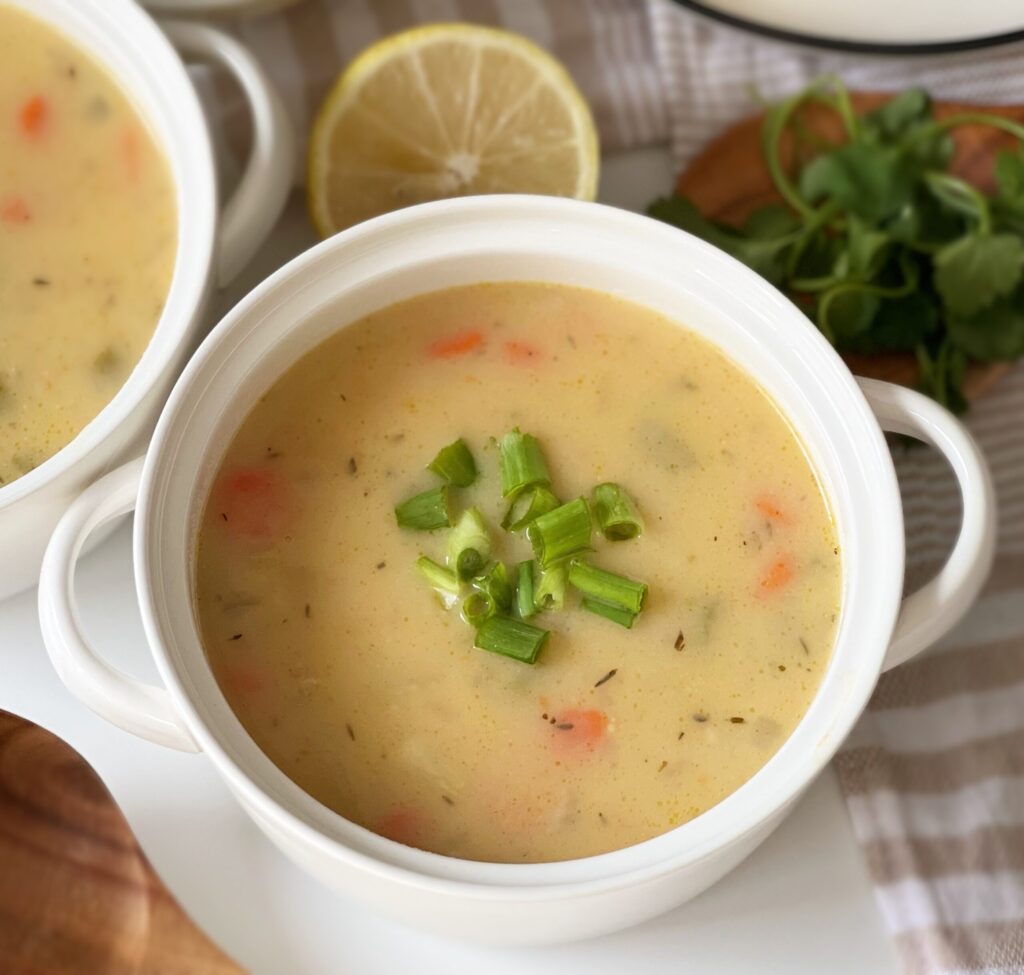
point(616, 513)
point(607, 587)
point(455, 464)
point(496, 584)
point(443, 581)
point(624, 617)
point(526, 605)
point(425, 511)
point(469, 545)
point(511, 638)
point(469, 563)
point(522, 463)
point(550, 591)
point(478, 607)
point(560, 533)
point(529, 504)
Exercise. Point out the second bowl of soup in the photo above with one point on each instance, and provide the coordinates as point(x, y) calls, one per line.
point(517, 562)
point(110, 241)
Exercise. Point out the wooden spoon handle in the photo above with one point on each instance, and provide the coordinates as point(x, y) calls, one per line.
point(77, 895)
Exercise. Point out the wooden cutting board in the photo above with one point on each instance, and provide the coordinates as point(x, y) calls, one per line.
point(729, 179)
point(77, 896)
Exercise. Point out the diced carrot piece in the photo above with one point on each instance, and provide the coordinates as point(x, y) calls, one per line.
point(456, 345)
point(520, 353)
point(578, 731)
point(131, 156)
point(243, 680)
point(33, 117)
point(401, 824)
point(778, 574)
point(770, 508)
point(253, 503)
point(14, 209)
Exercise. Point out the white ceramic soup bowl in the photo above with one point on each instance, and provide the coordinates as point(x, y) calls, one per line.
point(516, 238)
point(214, 242)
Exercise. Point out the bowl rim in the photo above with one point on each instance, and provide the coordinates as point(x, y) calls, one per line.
point(698, 839)
point(193, 175)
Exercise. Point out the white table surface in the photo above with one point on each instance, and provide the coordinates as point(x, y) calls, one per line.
point(801, 905)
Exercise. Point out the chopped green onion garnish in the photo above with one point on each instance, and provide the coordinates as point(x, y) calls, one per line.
point(496, 584)
point(443, 581)
point(469, 563)
point(561, 532)
point(469, 545)
point(425, 511)
point(624, 617)
point(455, 464)
point(525, 604)
point(616, 514)
point(511, 638)
point(478, 607)
point(538, 500)
point(607, 587)
point(522, 463)
point(550, 591)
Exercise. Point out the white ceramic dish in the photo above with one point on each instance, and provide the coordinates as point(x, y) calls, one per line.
point(875, 26)
point(213, 243)
point(493, 238)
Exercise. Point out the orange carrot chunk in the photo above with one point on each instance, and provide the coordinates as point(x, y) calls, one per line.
point(770, 508)
point(401, 824)
point(243, 680)
point(778, 574)
point(33, 117)
point(578, 731)
point(253, 503)
point(520, 353)
point(14, 209)
point(455, 345)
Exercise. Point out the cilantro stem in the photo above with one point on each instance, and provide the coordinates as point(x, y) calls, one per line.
point(974, 118)
point(841, 104)
point(851, 287)
point(778, 120)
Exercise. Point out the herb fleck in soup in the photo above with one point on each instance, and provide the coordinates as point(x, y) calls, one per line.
point(348, 672)
point(87, 240)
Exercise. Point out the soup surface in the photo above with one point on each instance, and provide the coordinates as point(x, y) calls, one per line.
point(355, 681)
point(87, 240)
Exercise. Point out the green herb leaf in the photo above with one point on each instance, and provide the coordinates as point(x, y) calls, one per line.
point(899, 325)
point(899, 115)
point(972, 272)
point(866, 250)
point(1009, 174)
point(959, 196)
point(996, 333)
point(869, 181)
point(850, 312)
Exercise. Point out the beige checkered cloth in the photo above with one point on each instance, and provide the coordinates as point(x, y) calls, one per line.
point(934, 774)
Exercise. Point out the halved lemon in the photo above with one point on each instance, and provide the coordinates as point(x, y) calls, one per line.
point(442, 111)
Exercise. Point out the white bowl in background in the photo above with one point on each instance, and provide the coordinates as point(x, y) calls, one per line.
point(214, 243)
point(464, 241)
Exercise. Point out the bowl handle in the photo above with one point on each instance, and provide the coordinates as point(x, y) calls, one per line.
point(137, 707)
point(936, 607)
point(256, 204)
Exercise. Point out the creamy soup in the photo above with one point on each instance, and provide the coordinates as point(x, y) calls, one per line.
point(87, 240)
point(352, 677)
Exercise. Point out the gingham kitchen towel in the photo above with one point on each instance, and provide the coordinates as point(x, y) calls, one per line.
point(934, 773)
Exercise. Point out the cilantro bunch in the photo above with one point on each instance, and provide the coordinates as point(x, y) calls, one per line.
point(884, 249)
